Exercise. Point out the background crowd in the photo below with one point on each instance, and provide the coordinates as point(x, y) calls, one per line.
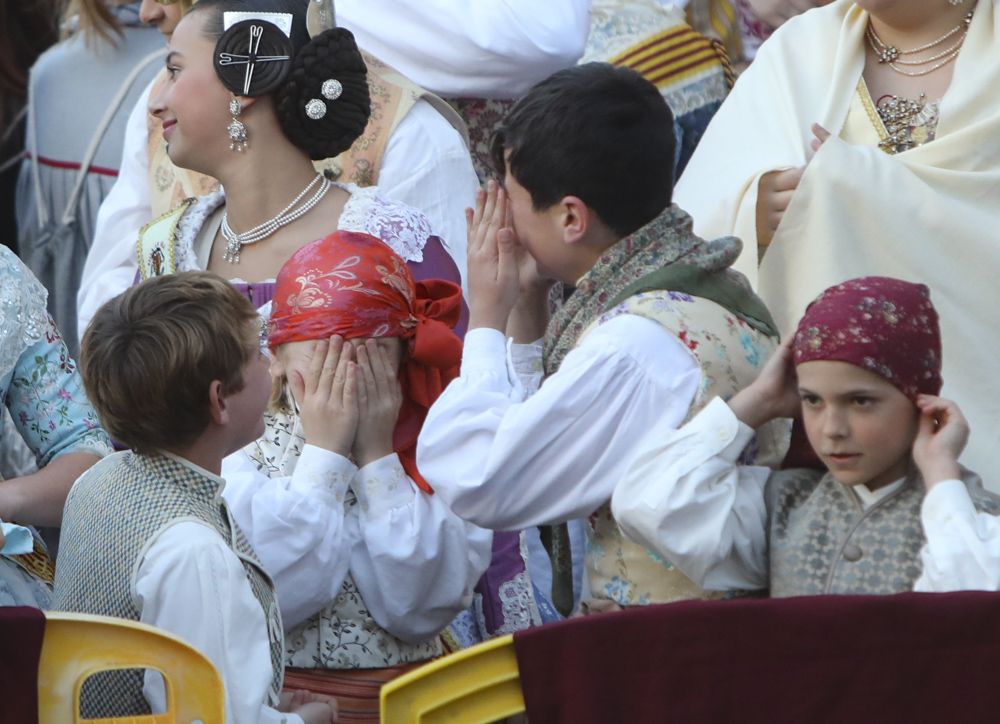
point(415, 324)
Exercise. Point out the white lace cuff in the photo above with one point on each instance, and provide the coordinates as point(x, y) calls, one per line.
point(383, 485)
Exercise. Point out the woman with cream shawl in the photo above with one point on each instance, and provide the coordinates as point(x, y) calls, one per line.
point(919, 205)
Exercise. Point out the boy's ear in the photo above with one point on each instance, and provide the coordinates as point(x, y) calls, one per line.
point(575, 219)
point(217, 408)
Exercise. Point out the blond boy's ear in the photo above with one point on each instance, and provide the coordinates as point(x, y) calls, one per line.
point(217, 404)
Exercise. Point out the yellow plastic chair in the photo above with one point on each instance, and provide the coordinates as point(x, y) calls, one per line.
point(477, 685)
point(78, 645)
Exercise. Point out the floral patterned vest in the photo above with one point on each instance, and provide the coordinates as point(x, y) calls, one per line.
point(392, 97)
point(730, 353)
point(343, 635)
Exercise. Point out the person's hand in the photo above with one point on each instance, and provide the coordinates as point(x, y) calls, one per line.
point(775, 392)
point(774, 193)
point(821, 134)
point(327, 396)
point(379, 400)
point(317, 712)
point(776, 12)
point(313, 708)
point(941, 437)
point(492, 259)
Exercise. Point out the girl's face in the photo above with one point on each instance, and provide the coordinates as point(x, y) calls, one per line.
point(296, 357)
point(861, 425)
point(192, 104)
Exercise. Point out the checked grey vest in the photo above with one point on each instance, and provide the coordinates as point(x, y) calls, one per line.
point(822, 540)
point(112, 514)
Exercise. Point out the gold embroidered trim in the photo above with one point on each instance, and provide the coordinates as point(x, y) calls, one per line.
point(145, 255)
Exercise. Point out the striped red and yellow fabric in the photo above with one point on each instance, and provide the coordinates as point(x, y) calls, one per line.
point(676, 55)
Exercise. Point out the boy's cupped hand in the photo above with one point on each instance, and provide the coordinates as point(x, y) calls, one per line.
point(493, 260)
point(327, 396)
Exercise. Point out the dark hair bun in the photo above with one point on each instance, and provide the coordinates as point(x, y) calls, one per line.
point(262, 39)
point(331, 55)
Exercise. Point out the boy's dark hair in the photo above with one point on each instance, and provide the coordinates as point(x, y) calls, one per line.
point(150, 354)
point(598, 132)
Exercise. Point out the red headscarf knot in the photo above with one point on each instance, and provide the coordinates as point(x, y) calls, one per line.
point(353, 285)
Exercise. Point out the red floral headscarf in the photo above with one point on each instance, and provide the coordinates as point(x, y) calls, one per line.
point(354, 285)
point(883, 325)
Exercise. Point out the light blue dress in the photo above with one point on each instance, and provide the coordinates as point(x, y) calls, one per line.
point(44, 394)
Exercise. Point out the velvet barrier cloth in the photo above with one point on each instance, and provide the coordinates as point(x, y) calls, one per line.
point(22, 630)
point(910, 657)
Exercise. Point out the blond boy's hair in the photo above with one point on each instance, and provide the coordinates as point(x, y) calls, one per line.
point(150, 355)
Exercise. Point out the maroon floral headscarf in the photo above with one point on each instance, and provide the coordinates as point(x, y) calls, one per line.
point(883, 325)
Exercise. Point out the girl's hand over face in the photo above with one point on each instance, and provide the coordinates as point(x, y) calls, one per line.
point(327, 396)
point(379, 400)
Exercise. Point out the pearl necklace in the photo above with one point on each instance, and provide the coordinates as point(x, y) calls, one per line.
point(893, 56)
point(235, 242)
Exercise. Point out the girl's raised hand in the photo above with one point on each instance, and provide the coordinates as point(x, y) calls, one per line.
point(327, 396)
point(379, 400)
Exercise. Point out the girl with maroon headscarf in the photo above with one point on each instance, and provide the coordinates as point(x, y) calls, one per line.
point(893, 511)
point(369, 564)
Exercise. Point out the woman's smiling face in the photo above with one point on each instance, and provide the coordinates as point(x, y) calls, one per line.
point(192, 104)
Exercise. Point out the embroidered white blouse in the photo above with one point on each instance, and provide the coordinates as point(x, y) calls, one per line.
point(687, 498)
point(415, 562)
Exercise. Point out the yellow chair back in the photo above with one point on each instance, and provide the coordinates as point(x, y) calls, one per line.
point(478, 684)
point(78, 645)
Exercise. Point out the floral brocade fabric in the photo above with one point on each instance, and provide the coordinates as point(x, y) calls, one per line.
point(730, 354)
point(44, 395)
point(667, 239)
point(887, 326)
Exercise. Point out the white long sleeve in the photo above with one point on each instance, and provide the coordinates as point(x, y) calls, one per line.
point(417, 562)
point(191, 584)
point(483, 49)
point(506, 462)
point(414, 561)
point(426, 165)
point(686, 497)
point(963, 545)
point(111, 262)
point(295, 525)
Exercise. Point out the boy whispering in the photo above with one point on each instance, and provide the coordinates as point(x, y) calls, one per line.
point(657, 321)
